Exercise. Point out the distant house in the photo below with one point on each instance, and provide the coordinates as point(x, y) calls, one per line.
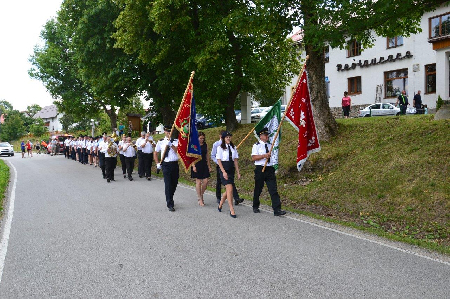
point(51, 118)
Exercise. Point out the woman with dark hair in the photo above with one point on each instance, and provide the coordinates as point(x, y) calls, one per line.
point(346, 104)
point(227, 159)
point(201, 170)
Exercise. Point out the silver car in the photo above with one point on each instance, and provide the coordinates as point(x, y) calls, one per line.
point(379, 109)
point(6, 148)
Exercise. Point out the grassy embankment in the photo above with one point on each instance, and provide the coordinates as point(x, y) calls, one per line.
point(387, 175)
point(4, 179)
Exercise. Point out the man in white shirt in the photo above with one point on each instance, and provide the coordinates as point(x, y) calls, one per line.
point(102, 147)
point(110, 159)
point(169, 164)
point(261, 154)
point(129, 154)
point(236, 197)
point(147, 155)
point(139, 154)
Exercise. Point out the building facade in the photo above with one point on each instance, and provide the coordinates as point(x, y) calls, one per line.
point(51, 118)
point(380, 73)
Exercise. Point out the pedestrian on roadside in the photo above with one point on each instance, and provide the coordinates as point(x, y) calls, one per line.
point(346, 105)
point(37, 147)
point(29, 146)
point(227, 159)
point(22, 147)
point(201, 170)
point(417, 102)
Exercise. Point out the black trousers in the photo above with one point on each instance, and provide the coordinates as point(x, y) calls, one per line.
point(129, 163)
point(219, 186)
point(85, 156)
point(101, 162)
point(109, 167)
point(80, 155)
point(73, 154)
point(171, 173)
point(268, 176)
point(148, 160)
point(140, 163)
point(124, 166)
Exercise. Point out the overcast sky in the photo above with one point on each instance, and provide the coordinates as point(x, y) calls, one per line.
point(21, 22)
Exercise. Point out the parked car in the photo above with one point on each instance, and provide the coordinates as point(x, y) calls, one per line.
point(203, 122)
point(6, 149)
point(259, 113)
point(61, 139)
point(379, 109)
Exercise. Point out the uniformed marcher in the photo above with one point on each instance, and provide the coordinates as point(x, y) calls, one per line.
point(169, 164)
point(261, 153)
point(110, 159)
point(139, 155)
point(102, 147)
point(147, 155)
point(121, 156)
point(129, 154)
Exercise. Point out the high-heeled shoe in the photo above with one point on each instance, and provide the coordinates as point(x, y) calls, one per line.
point(233, 216)
point(219, 208)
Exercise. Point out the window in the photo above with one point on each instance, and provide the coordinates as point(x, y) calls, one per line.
point(354, 85)
point(394, 42)
point(326, 53)
point(395, 82)
point(354, 48)
point(439, 26)
point(430, 78)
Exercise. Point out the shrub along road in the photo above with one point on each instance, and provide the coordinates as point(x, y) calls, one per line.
point(75, 236)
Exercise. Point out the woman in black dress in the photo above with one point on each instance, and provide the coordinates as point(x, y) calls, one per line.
point(201, 170)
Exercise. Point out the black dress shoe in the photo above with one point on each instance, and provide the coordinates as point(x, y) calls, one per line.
point(108, 180)
point(238, 200)
point(171, 209)
point(256, 210)
point(149, 178)
point(124, 176)
point(279, 213)
point(140, 176)
point(233, 216)
point(219, 208)
point(130, 178)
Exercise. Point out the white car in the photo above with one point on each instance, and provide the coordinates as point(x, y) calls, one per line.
point(259, 113)
point(379, 109)
point(6, 148)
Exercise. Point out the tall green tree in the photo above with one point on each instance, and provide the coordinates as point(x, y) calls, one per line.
point(234, 47)
point(79, 64)
point(38, 128)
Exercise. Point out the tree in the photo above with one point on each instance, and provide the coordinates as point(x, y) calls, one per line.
point(32, 110)
point(233, 46)
point(38, 127)
point(334, 23)
point(13, 127)
point(5, 107)
point(79, 64)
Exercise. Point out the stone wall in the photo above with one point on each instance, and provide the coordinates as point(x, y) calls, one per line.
point(354, 111)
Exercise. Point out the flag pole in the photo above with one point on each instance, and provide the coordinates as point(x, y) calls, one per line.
point(284, 115)
point(246, 137)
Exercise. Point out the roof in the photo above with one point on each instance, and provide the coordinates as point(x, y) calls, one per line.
point(47, 112)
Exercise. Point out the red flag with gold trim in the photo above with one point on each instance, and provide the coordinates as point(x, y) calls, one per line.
point(188, 144)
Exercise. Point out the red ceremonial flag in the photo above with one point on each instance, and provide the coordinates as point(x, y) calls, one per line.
point(300, 115)
point(188, 144)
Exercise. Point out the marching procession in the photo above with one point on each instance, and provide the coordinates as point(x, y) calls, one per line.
point(104, 152)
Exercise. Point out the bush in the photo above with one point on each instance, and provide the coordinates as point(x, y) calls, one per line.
point(439, 102)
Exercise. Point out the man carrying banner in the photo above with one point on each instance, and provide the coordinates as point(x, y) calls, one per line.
point(261, 153)
point(169, 164)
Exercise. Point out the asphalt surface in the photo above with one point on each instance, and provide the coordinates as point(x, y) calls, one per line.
point(73, 235)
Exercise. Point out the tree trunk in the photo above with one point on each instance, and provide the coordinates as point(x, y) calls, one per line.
point(230, 116)
point(112, 116)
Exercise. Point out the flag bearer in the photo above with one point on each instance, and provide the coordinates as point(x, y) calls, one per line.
point(169, 164)
point(260, 153)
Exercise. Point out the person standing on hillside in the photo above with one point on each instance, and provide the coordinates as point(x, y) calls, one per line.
point(417, 102)
point(403, 100)
point(346, 104)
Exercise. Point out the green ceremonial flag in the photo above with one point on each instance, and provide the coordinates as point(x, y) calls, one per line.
point(272, 120)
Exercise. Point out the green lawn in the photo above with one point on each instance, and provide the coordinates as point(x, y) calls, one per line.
point(4, 179)
point(388, 175)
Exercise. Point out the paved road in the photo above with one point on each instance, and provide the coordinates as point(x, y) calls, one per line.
point(75, 236)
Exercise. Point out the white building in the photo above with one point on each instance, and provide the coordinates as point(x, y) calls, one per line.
point(51, 118)
point(378, 74)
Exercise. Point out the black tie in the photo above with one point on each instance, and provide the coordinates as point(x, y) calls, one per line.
point(230, 157)
point(267, 151)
